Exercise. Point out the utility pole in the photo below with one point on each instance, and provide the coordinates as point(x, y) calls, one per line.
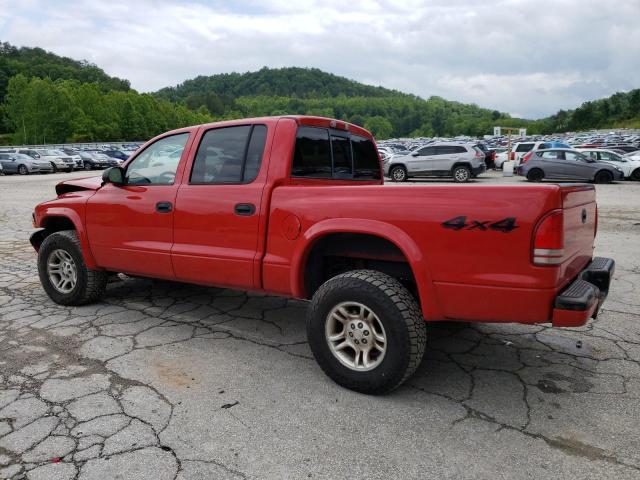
point(24, 131)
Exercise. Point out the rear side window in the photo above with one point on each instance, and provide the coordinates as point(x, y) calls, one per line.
point(427, 151)
point(312, 156)
point(319, 154)
point(229, 155)
point(552, 154)
point(366, 165)
point(524, 147)
point(450, 149)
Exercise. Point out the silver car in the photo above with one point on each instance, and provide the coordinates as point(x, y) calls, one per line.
point(23, 164)
point(442, 159)
point(566, 164)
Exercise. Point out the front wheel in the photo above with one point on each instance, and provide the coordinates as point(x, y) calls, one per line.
point(461, 174)
point(63, 273)
point(87, 166)
point(366, 331)
point(635, 175)
point(23, 170)
point(603, 176)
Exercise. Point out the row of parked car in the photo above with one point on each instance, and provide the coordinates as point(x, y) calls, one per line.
point(25, 160)
point(536, 160)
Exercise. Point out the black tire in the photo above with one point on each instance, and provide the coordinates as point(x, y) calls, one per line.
point(23, 170)
point(397, 311)
point(55, 169)
point(635, 175)
point(87, 166)
point(535, 175)
point(90, 284)
point(603, 176)
point(461, 174)
point(398, 174)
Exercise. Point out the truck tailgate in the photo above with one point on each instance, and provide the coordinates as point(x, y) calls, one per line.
point(579, 225)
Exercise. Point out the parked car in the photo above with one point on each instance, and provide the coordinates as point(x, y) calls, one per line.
point(117, 154)
point(442, 159)
point(566, 164)
point(489, 155)
point(630, 167)
point(58, 159)
point(315, 222)
point(75, 155)
point(106, 160)
point(91, 161)
point(23, 164)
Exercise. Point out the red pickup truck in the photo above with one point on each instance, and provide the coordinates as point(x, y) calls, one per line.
point(296, 206)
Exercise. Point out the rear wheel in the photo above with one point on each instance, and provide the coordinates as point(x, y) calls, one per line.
point(535, 175)
point(23, 170)
point(635, 175)
point(398, 174)
point(63, 273)
point(603, 176)
point(366, 331)
point(461, 174)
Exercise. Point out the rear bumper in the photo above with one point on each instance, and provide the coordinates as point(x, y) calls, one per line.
point(475, 171)
point(582, 299)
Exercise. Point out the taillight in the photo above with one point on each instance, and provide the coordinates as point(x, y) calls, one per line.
point(548, 241)
point(526, 157)
point(479, 154)
point(512, 156)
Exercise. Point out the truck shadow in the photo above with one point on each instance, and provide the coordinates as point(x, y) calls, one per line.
point(498, 364)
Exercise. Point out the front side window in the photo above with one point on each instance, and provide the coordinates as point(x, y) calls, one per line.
point(574, 156)
point(158, 163)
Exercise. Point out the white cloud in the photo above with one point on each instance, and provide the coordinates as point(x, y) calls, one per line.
point(529, 57)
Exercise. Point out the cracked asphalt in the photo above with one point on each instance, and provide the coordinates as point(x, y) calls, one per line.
point(167, 381)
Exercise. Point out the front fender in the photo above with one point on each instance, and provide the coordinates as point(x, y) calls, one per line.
point(393, 234)
point(46, 214)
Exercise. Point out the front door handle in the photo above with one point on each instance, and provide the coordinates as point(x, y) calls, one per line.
point(245, 209)
point(164, 207)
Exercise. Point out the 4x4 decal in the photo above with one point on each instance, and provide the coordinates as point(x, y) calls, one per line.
point(505, 225)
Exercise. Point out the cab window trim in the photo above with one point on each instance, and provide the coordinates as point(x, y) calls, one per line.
point(244, 157)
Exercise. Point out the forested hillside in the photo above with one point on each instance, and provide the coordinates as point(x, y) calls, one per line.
point(48, 98)
point(619, 110)
point(45, 97)
point(311, 91)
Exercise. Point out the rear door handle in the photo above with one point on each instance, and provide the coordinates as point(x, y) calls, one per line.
point(245, 209)
point(164, 207)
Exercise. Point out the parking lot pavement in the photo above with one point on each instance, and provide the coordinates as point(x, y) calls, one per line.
point(162, 381)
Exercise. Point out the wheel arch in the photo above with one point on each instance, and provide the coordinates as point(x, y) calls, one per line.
point(387, 233)
point(58, 219)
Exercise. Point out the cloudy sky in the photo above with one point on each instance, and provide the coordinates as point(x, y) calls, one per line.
point(525, 57)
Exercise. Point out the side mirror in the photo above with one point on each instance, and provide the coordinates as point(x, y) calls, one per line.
point(415, 154)
point(113, 175)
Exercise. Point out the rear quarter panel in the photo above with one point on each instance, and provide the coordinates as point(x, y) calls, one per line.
point(474, 273)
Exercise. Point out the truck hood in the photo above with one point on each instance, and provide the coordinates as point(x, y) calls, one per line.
point(79, 184)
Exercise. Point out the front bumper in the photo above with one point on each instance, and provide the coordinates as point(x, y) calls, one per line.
point(581, 300)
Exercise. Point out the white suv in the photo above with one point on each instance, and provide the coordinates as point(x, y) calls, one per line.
point(442, 159)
